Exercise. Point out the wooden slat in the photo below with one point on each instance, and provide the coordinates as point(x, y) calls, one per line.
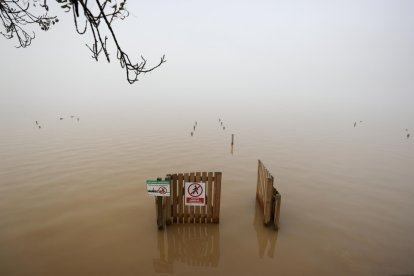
point(192, 208)
point(259, 182)
point(210, 197)
point(203, 210)
point(265, 182)
point(168, 204)
point(174, 198)
point(180, 198)
point(217, 195)
point(258, 179)
point(186, 208)
point(197, 208)
point(268, 201)
point(261, 185)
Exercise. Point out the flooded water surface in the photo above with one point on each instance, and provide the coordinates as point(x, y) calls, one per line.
point(73, 196)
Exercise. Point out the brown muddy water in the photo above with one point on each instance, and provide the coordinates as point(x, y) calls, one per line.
point(73, 197)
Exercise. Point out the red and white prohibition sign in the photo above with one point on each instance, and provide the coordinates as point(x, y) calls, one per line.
point(195, 193)
point(195, 190)
point(162, 190)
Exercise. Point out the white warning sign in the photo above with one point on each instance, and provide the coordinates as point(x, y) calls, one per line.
point(158, 187)
point(195, 193)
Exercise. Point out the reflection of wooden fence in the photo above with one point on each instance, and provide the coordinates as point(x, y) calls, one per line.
point(172, 210)
point(195, 245)
point(268, 197)
point(266, 237)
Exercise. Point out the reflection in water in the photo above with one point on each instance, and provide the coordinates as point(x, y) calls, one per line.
point(266, 236)
point(192, 244)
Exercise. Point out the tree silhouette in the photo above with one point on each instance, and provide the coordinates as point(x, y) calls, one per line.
point(94, 16)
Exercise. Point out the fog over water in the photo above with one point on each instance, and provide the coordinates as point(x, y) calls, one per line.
point(288, 78)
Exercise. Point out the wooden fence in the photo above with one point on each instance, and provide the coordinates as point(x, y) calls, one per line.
point(268, 197)
point(172, 209)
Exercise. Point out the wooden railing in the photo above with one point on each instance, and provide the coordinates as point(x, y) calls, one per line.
point(268, 197)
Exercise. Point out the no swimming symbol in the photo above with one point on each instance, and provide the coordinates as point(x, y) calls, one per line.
point(195, 190)
point(162, 190)
point(195, 193)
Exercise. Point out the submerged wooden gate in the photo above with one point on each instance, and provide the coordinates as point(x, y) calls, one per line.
point(172, 209)
point(268, 197)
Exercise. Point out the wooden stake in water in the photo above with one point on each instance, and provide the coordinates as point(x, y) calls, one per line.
point(232, 139)
point(160, 210)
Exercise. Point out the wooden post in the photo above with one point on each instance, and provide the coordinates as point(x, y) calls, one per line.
point(232, 139)
point(158, 204)
point(161, 210)
point(277, 210)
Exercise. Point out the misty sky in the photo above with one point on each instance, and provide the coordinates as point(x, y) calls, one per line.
point(240, 53)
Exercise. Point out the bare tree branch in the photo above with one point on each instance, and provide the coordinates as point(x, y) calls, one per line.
point(15, 17)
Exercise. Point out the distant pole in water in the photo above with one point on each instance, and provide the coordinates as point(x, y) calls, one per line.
point(191, 133)
point(355, 124)
point(61, 118)
point(40, 126)
point(196, 123)
point(408, 135)
point(37, 123)
point(194, 127)
point(232, 139)
point(78, 119)
point(221, 123)
point(224, 128)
